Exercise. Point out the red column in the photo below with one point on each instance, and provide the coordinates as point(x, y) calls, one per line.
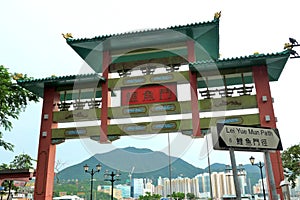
point(261, 80)
point(46, 153)
point(104, 107)
point(194, 92)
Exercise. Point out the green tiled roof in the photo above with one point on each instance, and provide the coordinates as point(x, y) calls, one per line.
point(176, 28)
point(37, 85)
point(205, 34)
point(275, 63)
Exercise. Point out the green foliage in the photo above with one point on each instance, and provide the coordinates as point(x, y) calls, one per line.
point(291, 163)
point(178, 195)
point(22, 161)
point(79, 188)
point(190, 196)
point(150, 196)
point(13, 100)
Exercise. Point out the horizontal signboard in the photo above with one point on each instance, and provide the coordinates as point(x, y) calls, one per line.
point(149, 94)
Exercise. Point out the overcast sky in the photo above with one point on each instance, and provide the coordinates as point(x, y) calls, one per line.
point(31, 43)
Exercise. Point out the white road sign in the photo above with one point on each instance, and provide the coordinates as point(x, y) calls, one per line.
point(248, 138)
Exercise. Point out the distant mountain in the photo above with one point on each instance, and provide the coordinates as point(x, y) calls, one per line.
point(146, 163)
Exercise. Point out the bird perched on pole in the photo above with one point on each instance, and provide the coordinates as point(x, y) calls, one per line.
point(293, 41)
point(217, 15)
point(67, 35)
point(294, 53)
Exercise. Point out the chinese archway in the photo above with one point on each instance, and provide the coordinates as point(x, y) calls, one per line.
point(146, 72)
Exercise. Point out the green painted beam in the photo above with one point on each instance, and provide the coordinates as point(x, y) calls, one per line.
point(228, 103)
point(76, 115)
point(169, 108)
point(143, 128)
point(178, 77)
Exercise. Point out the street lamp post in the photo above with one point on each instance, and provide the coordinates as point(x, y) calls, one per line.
point(92, 172)
point(260, 165)
point(112, 177)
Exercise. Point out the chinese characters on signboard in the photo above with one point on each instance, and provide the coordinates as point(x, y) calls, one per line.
point(245, 137)
point(149, 94)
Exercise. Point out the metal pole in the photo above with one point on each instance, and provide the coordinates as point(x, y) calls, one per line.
point(92, 172)
point(112, 186)
point(250, 189)
point(170, 168)
point(209, 169)
point(92, 179)
point(235, 175)
point(112, 179)
point(262, 179)
point(270, 176)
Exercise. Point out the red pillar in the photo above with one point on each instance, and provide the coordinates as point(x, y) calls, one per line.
point(104, 107)
point(194, 92)
point(261, 80)
point(46, 153)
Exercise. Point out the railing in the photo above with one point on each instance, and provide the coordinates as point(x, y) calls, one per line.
point(78, 105)
point(226, 92)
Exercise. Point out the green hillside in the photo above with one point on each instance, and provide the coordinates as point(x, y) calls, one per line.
point(146, 163)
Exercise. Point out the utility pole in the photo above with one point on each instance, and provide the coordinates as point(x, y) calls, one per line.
point(112, 177)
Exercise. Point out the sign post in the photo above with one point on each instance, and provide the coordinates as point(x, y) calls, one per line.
point(235, 174)
point(247, 138)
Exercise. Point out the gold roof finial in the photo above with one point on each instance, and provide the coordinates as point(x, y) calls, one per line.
point(17, 76)
point(217, 15)
point(67, 35)
point(288, 46)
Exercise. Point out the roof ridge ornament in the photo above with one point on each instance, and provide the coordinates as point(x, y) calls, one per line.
point(67, 35)
point(217, 15)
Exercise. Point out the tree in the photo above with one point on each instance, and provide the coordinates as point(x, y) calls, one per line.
point(13, 100)
point(291, 163)
point(190, 196)
point(178, 195)
point(22, 161)
point(150, 196)
point(58, 165)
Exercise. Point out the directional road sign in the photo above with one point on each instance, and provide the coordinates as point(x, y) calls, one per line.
point(245, 138)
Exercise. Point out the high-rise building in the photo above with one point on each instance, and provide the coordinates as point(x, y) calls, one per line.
point(159, 181)
point(195, 186)
point(125, 189)
point(159, 190)
point(230, 187)
point(149, 187)
point(200, 183)
point(258, 189)
point(138, 187)
point(167, 189)
point(203, 185)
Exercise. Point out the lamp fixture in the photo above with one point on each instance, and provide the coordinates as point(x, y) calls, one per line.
point(172, 68)
point(147, 70)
